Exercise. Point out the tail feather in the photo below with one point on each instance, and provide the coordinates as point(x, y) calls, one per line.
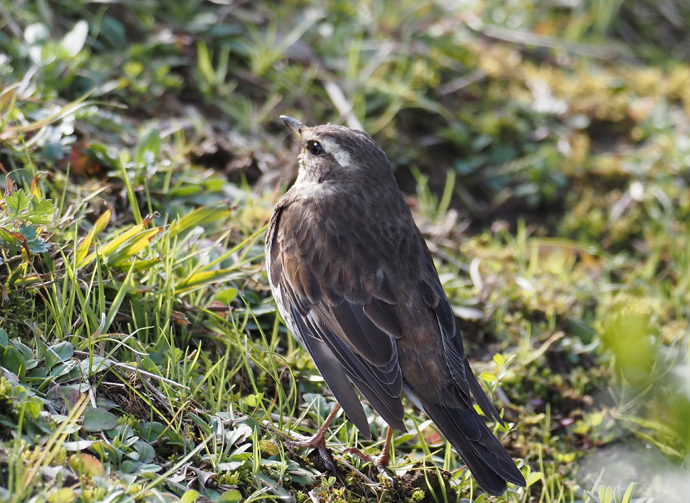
point(489, 462)
point(480, 396)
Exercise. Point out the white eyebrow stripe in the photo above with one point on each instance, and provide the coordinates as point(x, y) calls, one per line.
point(338, 153)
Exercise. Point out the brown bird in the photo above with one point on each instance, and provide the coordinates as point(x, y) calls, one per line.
point(355, 283)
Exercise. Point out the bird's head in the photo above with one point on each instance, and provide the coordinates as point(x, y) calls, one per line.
point(338, 154)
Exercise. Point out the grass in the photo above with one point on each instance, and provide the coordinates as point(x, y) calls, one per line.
point(544, 152)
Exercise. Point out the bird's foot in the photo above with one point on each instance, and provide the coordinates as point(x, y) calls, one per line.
point(380, 462)
point(318, 442)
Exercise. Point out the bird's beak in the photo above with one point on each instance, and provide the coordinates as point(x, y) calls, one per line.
point(293, 125)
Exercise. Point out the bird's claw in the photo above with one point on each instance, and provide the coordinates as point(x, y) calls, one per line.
point(318, 441)
point(380, 462)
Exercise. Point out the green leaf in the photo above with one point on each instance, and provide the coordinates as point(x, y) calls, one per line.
point(227, 295)
point(275, 487)
point(75, 39)
point(35, 243)
point(139, 265)
point(150, 141)
point(30, 208)
point(117, 302)
point(33, 407)
point(605, 494)
point(487, 377)
point(129, 466)
point(151, 431)
point(238, 434)
point(204, 278)
point(317, 403)
point(134, 246)
point(479, 410)
point(96, 365)
point(98, 420)
point(113, 245)
point(38, 246)
point(300, 475)
point(499, 360)
point(628, 493)
point(534, 478)
point(253, 400)
point(200, 216)
point(149, 468)
point(191, 496)
point(9, 240)
point(62, 369)
point(60, 352)
point(23, 349)
point(231, 496)
point(204, 63)
point(187, 191)
point(146, 452)
point(103, 449)
point(98, 227)
point(41, 211)
point(17, 203)
point(214, 184)
point(28, 231)
point(64, 495)
point(593, 497)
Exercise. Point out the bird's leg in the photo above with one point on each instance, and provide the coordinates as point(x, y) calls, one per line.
point(381, 461)
point(318, 441)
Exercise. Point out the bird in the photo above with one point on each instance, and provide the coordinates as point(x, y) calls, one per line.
point(355, 282)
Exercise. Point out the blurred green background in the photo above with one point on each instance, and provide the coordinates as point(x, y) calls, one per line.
point(543, 146)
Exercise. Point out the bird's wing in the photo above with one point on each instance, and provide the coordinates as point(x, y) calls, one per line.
point(454, 414)
point(434, 297)
point(344, 310)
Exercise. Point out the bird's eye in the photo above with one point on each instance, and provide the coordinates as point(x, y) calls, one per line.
point(315, 148)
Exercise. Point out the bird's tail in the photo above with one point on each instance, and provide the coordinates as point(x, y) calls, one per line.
point(488, 461)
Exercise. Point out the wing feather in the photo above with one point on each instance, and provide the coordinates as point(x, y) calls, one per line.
point(353, 337)
point(336, 378)
point(431, 292)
